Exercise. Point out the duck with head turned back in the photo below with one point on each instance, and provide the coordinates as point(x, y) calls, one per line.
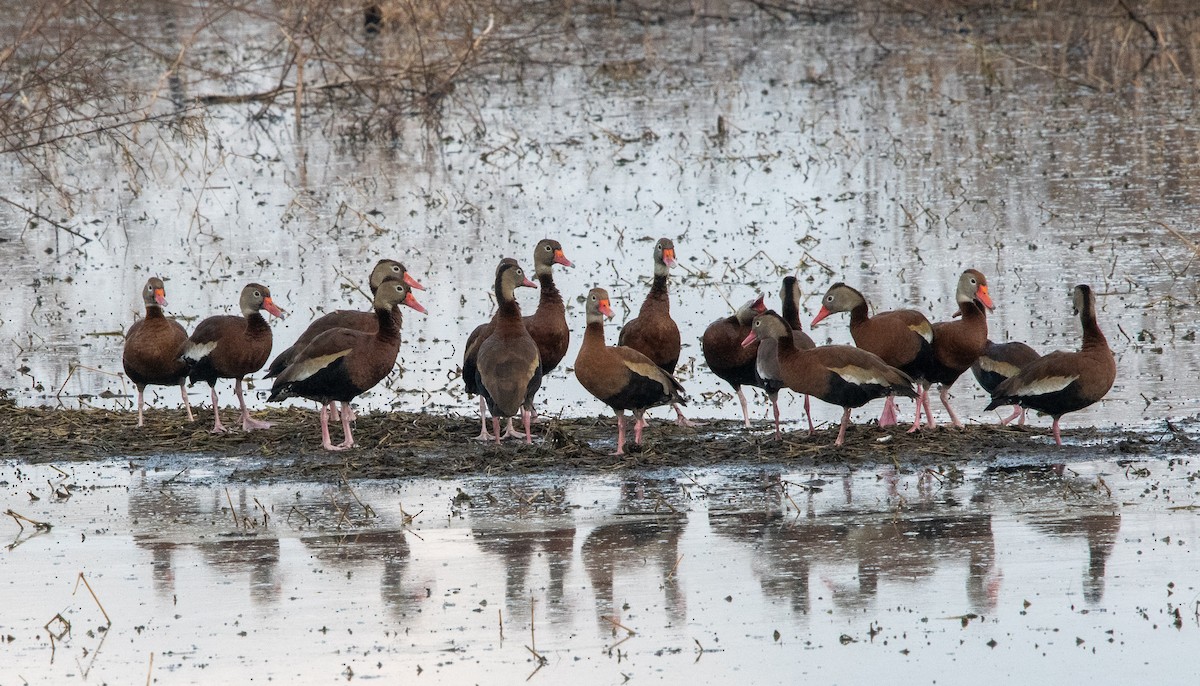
point(621, 377)
point(153, 346)
point(722, 348)
point(1062, 382)
point(901, 338)
point(837, 374)
point(341, 363)
point(366, 322)
point(508, 370)
point(789, 296)
point(230, 347)
point(957, 344)
point(1000, 362)
point(653, 332)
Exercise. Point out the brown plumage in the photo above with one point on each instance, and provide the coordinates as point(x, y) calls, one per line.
point(1063, 382)
point(341, 363)
point(957, 344)
point(470, 364)
point(1000, 362)
point(837, 374)
point(346, 319)
point(789, 297)
point(230, 347)
point(722, 348)
point(153, 346)
point(901, 338)
point(621, 377)
point(509, 372)
point(653, 332)
point(548, 324)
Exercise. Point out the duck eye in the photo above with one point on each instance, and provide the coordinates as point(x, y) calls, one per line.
point(257, 294)
point(396, 268)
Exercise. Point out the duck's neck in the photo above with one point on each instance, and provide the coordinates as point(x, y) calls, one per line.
point(389, 323)
point(593, 335)
point(859, 314)
point(550, 297)
point(1093, 337)
point(658, 292)
point(154, 312)
point(791, 312)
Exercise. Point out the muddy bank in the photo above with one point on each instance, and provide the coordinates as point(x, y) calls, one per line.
point(402, 444)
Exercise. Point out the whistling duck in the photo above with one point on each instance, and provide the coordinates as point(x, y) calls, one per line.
point(547, 325)
point(508, 372)
point(152, 348)
point(789, 296)
point(621, 377)
point(837, 374)
point(957, 344)
point(346, 319)
point(901, 338)
point(342, 363)
point(1063, 382)
point(230, 347)
point(722, 348)
point(653, 332)
point(1000, 362)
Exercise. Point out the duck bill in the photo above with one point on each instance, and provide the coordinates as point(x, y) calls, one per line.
point(605, 309)
point(820, 316)
point(270, 306)
point(412, 302)
point(750, 340)
point(982, 296)
point(160, 297)
point(759, 305)
point(560, 258)
point(669, 257)
point(528, 283)
point(412, 283)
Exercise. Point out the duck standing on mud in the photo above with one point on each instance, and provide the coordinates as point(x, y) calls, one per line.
point(1062, 382)
point(230, 347)
point(153, 346)
point(901, 338)
point(342, 363)
point(957, 344)
point(619, 376)
point(837, 374)
point(508, 371)
point(653, 332)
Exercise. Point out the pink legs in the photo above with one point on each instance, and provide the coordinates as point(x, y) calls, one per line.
point(845, 422)
point(182, 394)
point(944, 395)
point(745, 407)
point(218, 427)
point(775, 409)
point(483, 430)
point(346, 414)
point(638, 424)
point(248, 422)
point(888, 416)
point(807, 413)
point(1018, 411)
point(1057, 436)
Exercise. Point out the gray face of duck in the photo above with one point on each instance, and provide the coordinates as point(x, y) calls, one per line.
point(155, 293)
point(598, 308)
point(664, 256)
point(395, 292)
point(255, 297)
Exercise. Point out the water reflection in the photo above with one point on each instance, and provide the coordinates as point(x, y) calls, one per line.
point(364, 552)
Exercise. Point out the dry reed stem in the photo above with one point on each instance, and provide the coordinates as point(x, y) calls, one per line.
point(40, 526)
point(83, 579)
point(232, 510)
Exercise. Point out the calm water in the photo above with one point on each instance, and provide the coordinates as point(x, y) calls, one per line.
point(999, 577)
point(892, 171)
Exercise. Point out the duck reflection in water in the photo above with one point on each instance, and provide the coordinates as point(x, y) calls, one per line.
point(520, 533)
point(361, 552)
point(645, 542)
